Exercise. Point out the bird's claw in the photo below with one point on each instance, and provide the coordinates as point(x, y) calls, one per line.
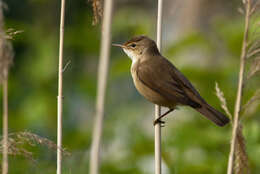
point(159, 121)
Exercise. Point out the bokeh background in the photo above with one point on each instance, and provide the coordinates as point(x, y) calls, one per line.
point(202, 38)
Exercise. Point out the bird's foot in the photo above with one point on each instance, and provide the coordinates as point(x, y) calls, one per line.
point(159, 121)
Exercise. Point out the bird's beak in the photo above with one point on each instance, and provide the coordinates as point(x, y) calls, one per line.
point(118, 45)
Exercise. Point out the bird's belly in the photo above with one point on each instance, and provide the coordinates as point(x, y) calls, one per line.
point(151, 95)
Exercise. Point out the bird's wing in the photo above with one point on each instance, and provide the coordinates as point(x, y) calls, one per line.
point(186, 85)
point(203, 107)
point(158, 76)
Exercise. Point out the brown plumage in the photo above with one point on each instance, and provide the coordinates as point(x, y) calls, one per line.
point(160, 82)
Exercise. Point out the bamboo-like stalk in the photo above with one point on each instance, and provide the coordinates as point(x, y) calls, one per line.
point(240, 88)
point(4, 74)
point(60, 91)
point(5, 124)
point(157, 127)
point(101, 91)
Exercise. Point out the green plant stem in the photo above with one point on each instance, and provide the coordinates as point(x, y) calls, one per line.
point(5, 125)
point(60, 90)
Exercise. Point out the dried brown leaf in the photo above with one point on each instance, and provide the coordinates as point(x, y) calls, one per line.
point(222, 100)
point(97, 11)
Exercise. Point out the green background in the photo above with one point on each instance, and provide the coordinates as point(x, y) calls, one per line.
point(206, 54)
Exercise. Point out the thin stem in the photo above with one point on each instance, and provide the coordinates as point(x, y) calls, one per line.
point(5, 95)
point(157, 127)
point(5, 125)
point(101, 91)
point(60, 90)
point(157, 142)
point(239, 91)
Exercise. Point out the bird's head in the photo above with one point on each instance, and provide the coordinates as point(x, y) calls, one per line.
point(139, 46)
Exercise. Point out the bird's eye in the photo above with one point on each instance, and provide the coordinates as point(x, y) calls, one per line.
point(133, 45)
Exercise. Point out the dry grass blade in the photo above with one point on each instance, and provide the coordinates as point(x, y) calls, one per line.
point(254, 68)
point(249, 106)
point(19, 139)
point(241, 10)
point(253, 48)
point(97, 11)
point(254, 44)
point(11, 33)
point(15, 148)
point(254, 7)
point(222, 100)
point(6, 58)
point(253, 53)
point(34, 139)
point(241, 157)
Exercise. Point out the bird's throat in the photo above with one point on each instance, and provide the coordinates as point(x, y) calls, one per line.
point(131, 55)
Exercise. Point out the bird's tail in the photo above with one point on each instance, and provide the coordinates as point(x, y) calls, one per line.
point(212, 114)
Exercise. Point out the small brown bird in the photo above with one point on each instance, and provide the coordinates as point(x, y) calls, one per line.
point(160, 82)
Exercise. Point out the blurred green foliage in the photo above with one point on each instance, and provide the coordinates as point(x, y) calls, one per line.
point(191, 144)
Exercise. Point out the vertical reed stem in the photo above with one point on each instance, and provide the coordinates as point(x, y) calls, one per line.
point(239, 91)
point(157, 127)
point(60, 87)
point(4, 73)
point(101, 91)
point(5, 124)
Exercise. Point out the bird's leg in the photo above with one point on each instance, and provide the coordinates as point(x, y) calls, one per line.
point(158, 120)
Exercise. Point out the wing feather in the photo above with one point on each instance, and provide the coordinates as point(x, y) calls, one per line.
point(167, 85)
